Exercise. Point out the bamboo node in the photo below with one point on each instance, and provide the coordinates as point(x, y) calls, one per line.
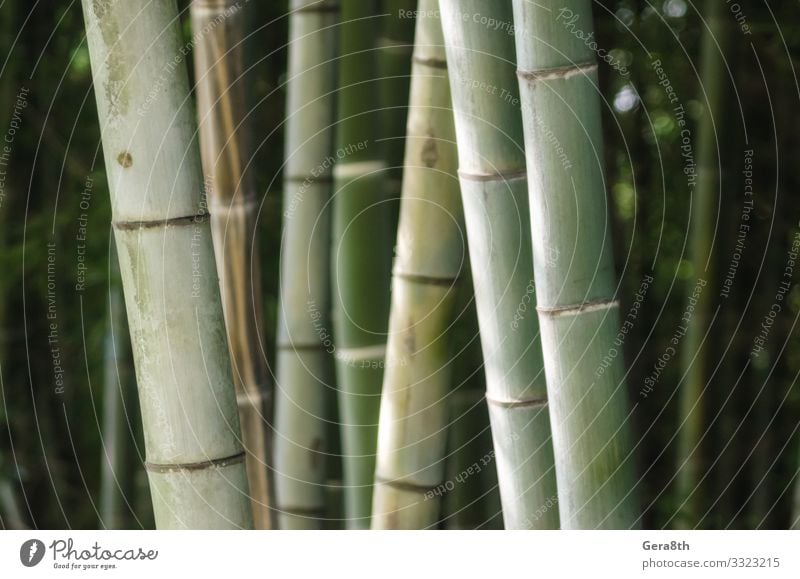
point(167, 222)
point(202, 465)
point(525, 402)
point(407, 486)
point(561, 72)
point(577, 309)
point(431, 62)
point(502, 176)
point(444, 281)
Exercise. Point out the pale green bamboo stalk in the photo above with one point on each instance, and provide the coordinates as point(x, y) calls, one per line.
point(412, 436)
point(495, 194)
point(218, 34)
point(695, 355)
point(195, 460)
point(304, 360)
point(361, 257)
point(116, 474)
point(575, 278)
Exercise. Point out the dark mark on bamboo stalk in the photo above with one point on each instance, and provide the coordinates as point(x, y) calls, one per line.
point(430, 62)
point(576, 309)
point(125, 159)
point(405, 485)
point(526, 402)
point(560, 72)
point(509, 176)
point(169, 222)
point(426, 279)
point(203, 465)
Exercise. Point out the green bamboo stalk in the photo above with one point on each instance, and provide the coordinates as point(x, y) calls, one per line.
point(361, 257)
point(116, 474)
point(218, 28)
point(495, 195)
point(394, 61)
point(304, 361)
point(696, 353)
point(195, 460)
point(574, 270)
point(412, 436)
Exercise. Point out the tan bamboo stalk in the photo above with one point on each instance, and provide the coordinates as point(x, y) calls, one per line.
point(195, 460)
point(218, 27)
point(412, 434)
point(304, 388)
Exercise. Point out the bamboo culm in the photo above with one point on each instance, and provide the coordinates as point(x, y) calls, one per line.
point(116, 473)
point(361, 257)
point(195, 460)
point(696, 350)
point(573, 265)
point(232, 203)
point(495, 196)
point(412, 436)
point(304, 386)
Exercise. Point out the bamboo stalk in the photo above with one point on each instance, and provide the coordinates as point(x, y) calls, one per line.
point(195, 460)
point(697, 352)
point(394, 59)
point(361, 258)
point(412, 436)
point(574, 270)
point(218, 62)
point(304, 361)
point(495, 196)
point(116, 474)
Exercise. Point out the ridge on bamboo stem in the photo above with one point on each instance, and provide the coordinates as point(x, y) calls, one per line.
point(195, 460)
point(361, 256)
point(576, 303)
point(218, 63)
point(304, 362)
point(412, 435)
point(495, 196)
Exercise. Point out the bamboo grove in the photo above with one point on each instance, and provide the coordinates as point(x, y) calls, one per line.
point(413, 264)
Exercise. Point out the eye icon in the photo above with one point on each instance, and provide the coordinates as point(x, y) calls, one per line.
point(31, 552)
